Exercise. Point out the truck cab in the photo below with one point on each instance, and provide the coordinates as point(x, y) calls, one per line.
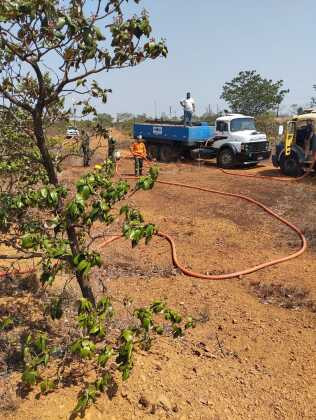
point(237, 141)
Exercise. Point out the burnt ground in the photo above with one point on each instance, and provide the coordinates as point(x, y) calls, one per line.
point(252, 356)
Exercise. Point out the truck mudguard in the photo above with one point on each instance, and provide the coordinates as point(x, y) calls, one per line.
point(230, 146)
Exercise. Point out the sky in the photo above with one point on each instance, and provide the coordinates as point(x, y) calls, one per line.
point(209, 42)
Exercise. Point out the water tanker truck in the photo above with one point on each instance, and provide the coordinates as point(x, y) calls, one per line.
point(232, 141)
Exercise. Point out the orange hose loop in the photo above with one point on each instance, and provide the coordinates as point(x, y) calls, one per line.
point(226, 194)
point(237, 273)
point(273, 178)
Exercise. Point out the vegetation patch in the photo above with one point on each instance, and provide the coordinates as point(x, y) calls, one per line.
point(285, 297)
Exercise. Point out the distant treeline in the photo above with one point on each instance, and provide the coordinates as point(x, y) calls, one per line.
point(267, 123)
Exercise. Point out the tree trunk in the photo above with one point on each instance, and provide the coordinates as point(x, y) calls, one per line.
point(83, 282)
point(41, 144)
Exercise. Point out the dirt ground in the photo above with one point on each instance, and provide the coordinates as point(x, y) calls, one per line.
point(252, 356)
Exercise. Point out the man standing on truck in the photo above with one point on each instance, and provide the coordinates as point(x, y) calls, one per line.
point(138, 150)
point(188, 106)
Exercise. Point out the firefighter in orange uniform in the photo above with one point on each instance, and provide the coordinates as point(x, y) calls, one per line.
point(138, 150)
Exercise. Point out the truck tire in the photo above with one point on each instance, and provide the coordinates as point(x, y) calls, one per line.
point(152, 151)
point(167, 153)
point(226, 158)
point(290, 165)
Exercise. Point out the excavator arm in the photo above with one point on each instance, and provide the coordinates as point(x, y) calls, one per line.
point(289, 137)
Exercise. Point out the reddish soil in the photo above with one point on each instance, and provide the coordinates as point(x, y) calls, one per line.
point(253, 356)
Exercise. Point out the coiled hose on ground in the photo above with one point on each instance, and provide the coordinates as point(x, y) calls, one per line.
point(173, 245)
point(233, 274)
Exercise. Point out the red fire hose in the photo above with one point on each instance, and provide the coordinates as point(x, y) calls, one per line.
point(226, 194)
point(273, 178)
point(237, 273)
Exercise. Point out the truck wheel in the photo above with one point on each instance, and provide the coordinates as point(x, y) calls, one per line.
point(226, 158)
point(167, 154)
point(290, 165)
point(152, 151)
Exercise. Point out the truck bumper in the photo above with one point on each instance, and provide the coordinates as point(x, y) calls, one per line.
point(251, 158)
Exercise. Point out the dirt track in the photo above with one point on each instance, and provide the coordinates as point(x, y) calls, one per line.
point(254, 356)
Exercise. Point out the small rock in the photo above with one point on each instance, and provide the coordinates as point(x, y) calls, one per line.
point(144, 402)
point(175, 408)
point(164, 402)
point(234, 321)
point(124, 393)
point(203, 401)
point(220, 328)
point(158, 366)
point(211, 356)
point(153, 409)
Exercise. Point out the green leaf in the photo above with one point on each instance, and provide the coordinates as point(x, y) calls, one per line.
point(47, 278)
point(46, 386)
point(85, 305)
point(82, 403)
point(158, 306)
point(190, 323)
point(85, 192)
point(75, 347)
point(102, 383)
point(82, 265)
point(44, 192)
point(87, 269)
point(126, 373)
point(85, 348)
point(99, 35)
point(95, 329)
point(73, 210)
point(56, 311)
point(6, 323)
point(27, 241)
point(30, 376)
point(60, 23)
point(41, 342)
point(127, 335)
point(124, 210)
point(77, 258)
point(177, 332)
point(146, 323)
point(105, 356)
point(159, 329)
point(54, 196)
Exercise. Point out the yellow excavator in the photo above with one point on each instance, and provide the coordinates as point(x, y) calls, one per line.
point(290, 151)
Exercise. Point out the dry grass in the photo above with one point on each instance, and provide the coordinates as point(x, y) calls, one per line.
point(285, 297)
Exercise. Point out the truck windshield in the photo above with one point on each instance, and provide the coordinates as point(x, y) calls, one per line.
point(241, 124)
